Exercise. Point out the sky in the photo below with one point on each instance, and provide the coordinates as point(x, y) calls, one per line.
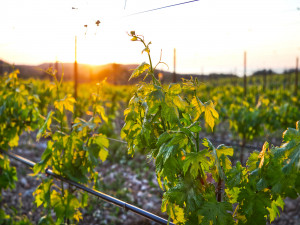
point(209, 35)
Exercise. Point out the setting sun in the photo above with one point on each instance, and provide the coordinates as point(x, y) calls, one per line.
point(209, 36)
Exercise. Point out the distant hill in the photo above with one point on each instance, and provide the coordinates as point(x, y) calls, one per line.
point(115, 73)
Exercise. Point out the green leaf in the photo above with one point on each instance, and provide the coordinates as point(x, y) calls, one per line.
point(103, 154)
point(195, 127)
point(262, 154)
point(252, 161)
point(207, 143)
point(196, 163)
point(174, 89)
point(65, 207)
point(45, 127)
point(66, 103)
point(157, 94)
point(210, 114)
point(223, 152)
point(177, 214)
point(101, 140)
point(14, 141)
point(42, 193)
point(232, 194)
point(93, 155)
point(183, 195)
point(178, 138)
point(219, 172)
point(290, 150)
point(170, 115)
point(237, 176)
point(46, 157)
point(254, 205)
point(163, 138)
point(166, 159)
point(139, 70)
point(291, 134)
point(101, 111)
point(216, 213)
point(179, 103)
point(199, 107)
point(273, 210)
point(261, 184)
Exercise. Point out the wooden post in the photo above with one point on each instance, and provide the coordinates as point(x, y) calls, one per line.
point(174, 73)
point(236, 77)
point(245, 77)
point(288, 79)
point(265, 80)
point(296, 77)
point(272, 81)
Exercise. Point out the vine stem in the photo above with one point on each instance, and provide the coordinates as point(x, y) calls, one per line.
point(219, 190)
point(150, 61)
point(242, 148)
point(197, 142)
point(162, 120)
point(236, 209)
point(58, 84)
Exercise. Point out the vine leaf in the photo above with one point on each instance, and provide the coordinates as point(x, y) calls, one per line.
point(261, 155)
point(274, 212)
point(210, 114)
point(252, 161)
point(46, 157)
point(223, 152)
point(199, 107)
point(42, 193)
point(208, 108)
point(196, 161)
point(103, 154)
point(215, 213)
point(139, 70)
point(67, 103)
point(290, 150)
point(45, 127)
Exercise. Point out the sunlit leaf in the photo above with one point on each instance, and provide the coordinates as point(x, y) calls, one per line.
point(139, 70)
point(103, 154)
point(45, 127)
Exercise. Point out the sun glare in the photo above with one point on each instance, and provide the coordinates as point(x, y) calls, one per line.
point(205, 34)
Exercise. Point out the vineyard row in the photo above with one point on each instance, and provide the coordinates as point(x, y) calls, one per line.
point(110, 199)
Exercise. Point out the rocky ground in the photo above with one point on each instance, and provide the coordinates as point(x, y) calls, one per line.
point(135, 185)
point(131, 180)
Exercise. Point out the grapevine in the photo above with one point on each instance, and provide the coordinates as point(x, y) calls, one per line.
point(18, 113)
point(72, 153)
point(199, 183)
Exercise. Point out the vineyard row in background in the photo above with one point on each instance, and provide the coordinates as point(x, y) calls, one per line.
point(78, 132)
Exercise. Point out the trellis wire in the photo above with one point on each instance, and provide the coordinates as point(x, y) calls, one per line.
point(99, 194)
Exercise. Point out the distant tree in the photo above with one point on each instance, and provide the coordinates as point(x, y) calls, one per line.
point(289, 71)
point(264, 71)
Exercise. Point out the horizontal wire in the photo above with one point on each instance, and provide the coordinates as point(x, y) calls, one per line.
point(116, 140)
point(164, 7)
point(213, 140)
point(99, 194)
